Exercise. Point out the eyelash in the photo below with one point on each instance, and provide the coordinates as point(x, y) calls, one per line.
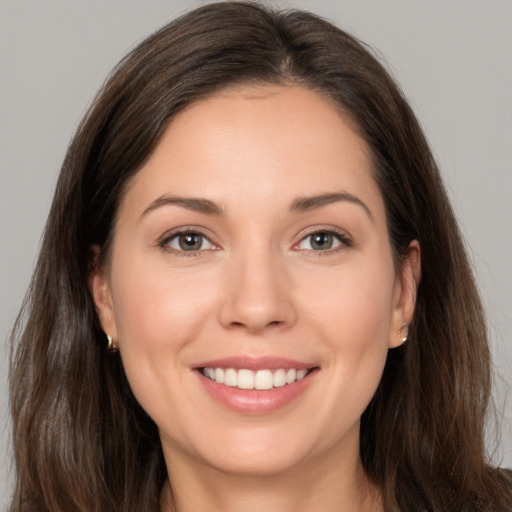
point(168, 238)
point(341, 237)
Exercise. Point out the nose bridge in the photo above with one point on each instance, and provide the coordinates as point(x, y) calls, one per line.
point(257, 290)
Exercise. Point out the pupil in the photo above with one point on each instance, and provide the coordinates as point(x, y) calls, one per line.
point(321, 241)
point(190, 241)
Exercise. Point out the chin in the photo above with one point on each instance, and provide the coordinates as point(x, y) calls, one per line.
point(259, 452)
point(257, 464)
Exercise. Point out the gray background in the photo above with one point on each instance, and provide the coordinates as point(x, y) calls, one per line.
point(453, 59)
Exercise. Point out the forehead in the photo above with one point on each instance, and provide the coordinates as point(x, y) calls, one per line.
point(246, 144)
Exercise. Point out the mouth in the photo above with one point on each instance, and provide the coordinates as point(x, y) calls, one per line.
point(247, 379)
point(255, 385)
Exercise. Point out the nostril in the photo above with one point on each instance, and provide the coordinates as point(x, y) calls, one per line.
point(255, 312)
point(256, 327)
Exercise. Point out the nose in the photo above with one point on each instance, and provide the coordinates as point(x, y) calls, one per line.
point(258, 294)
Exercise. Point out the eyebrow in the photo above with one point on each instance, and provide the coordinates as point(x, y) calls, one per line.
point(304, 204)
point(299, 205)
point(195, 204)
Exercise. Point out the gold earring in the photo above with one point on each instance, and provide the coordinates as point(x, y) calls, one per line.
point(402, 339)
point(111, 346)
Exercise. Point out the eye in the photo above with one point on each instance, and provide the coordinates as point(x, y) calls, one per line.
point(188, 241)
point(322, 241)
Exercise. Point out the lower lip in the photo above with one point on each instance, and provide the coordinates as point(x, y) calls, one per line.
point(256, 401)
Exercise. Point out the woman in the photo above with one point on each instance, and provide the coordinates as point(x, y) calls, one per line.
point(251, 291)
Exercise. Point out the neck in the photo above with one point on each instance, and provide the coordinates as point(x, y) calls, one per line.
point(335, 485)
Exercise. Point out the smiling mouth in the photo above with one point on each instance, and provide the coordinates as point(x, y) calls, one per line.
point(258, 380)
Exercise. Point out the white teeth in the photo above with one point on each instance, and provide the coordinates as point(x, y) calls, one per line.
point(230, 377)
point(219, 375)
point(291, 376)
point(301, 374)
point(279, 378)
point(264, 380)
point(245, 379)
point(248, 379)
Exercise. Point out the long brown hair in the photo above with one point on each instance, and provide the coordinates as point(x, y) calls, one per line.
point(81, 440)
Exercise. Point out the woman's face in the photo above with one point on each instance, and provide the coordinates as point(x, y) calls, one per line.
point(252, 248)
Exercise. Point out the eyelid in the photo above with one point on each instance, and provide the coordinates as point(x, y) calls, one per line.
point(343, 236)
point(164, 240)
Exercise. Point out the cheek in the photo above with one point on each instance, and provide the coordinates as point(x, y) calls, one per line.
point(156, 307)
point(353, 315)
point(354, 304)
point(157, 314)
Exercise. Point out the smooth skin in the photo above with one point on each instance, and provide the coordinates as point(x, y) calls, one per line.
point(258, 269)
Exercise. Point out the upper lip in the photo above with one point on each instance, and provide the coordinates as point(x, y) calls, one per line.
point(254, 363)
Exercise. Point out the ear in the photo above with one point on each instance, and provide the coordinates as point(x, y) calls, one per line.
point(99, 286)
point(406, 287)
